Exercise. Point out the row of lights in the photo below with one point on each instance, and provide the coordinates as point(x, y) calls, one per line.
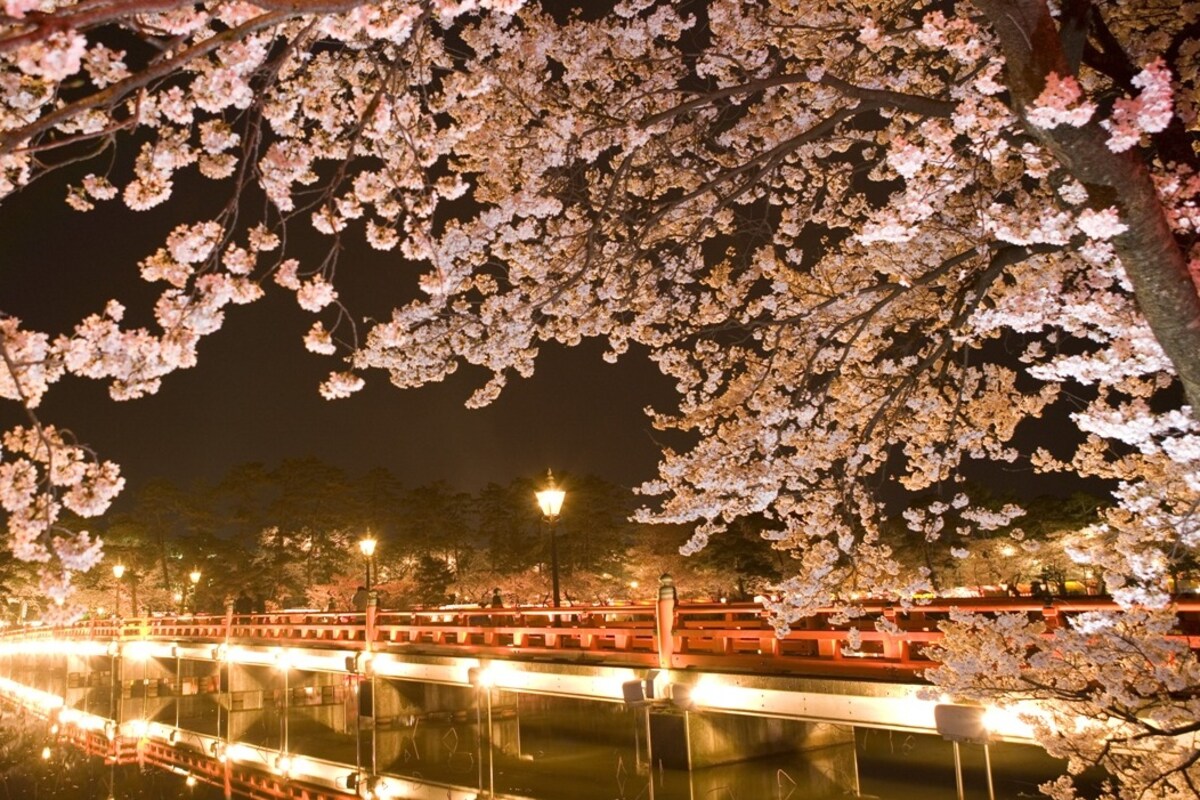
point(956, 723)
point(282, 764)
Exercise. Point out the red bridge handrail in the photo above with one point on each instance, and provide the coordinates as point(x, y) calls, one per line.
point(713, 636)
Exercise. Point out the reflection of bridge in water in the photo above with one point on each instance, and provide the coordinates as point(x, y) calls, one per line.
point(429, 703)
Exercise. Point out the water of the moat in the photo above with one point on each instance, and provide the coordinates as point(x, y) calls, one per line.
point(547, 763)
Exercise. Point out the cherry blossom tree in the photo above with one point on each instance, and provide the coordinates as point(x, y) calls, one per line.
point(1119, 692)
point(869, 242)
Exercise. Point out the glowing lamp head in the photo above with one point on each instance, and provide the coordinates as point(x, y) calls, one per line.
point(367, 546)
point(118, 571)
point(550, 499)
point(194, 576)
point(45, 753)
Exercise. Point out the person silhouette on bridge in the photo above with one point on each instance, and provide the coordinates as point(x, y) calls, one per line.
point(244, 604)
point(361, 596)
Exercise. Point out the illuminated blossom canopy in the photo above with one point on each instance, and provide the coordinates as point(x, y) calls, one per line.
point(867, 240)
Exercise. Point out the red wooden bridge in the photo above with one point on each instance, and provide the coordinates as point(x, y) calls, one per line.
point(719, 637)
point(689, 643)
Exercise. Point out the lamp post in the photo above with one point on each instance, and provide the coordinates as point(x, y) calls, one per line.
point(367, 546)
point(118, 573)
point(194, 577)
point(550, 500)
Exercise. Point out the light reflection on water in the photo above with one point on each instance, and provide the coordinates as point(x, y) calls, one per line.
point(547, 763)
point(540, 748)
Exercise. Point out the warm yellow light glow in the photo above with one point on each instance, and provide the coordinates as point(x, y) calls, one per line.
point(241, 752)
point(45, 753)
point(118, 571)
point(1008, 550)
point(194, 576)
point(709, 692)
point(633, 584)
point(137, 651)
point(1005, 722)
point(190, 781)
point(367, 546)
point(138, 728)
point(550, 499)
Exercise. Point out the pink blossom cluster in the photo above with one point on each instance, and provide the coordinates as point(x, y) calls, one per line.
point(1149, 112)
point(1060, 103)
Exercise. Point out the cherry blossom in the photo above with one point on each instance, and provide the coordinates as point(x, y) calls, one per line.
point(1060, 103)
point(1150, 112)
point(868, 243)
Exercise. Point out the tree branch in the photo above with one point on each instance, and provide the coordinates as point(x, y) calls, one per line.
point(1151, 256)
point(118, 91)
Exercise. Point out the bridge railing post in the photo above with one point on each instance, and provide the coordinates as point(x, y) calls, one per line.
point(1051, 615)
point(372, 611)
point(665, 619)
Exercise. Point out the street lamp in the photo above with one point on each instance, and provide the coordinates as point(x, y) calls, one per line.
point(194, 577)
point(550, 500)
point(118, 573)
point(367, 546)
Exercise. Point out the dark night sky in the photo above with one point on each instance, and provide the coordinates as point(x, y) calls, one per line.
point(253, 395)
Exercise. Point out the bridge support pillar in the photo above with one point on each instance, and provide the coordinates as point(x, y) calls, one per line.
point(146, 686)
point(245, 688)
point(79, 679)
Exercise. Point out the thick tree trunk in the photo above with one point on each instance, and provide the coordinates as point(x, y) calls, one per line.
point(1153, 259)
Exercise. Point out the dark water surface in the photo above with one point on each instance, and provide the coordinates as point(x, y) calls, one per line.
point(549, 765)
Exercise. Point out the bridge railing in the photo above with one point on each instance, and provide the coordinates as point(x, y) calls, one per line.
point(712, 636)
